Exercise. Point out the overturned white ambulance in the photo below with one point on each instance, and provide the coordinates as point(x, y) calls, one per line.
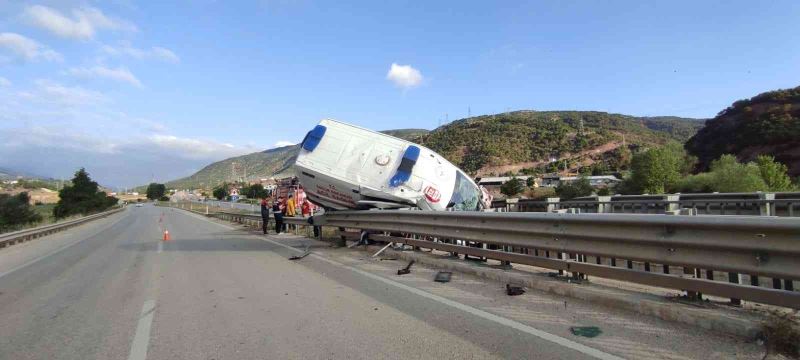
point(342, 166)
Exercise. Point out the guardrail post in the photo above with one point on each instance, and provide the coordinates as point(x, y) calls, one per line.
point(766, 208)
point(603, 204)
point(206, 209)
point(735, 278)
point(512, 204)
point(671, 202)
point(552, 203)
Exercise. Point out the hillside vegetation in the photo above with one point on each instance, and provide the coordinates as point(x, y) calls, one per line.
point(767, 124)
point(484, 143)
point(273, 162)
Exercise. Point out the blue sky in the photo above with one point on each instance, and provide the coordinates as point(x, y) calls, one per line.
point(135, 90)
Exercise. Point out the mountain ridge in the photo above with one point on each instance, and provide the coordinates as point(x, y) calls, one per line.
point(276, 162)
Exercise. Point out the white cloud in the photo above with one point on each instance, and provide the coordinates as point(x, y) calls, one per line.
point(282, 143)
point(196, 149)
point(404, 76)
point(27, 49)
point(121, 74)
point(155, 52)
point(127, 161)
point(53, 92)
point(83, 24)
point(4, 82)
point(165, 54)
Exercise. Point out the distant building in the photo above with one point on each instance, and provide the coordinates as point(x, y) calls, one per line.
point(499, 180)
point(594, 181)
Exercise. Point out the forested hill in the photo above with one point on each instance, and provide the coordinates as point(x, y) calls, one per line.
point(264, 164)
point(513, 141)
point(768, 123)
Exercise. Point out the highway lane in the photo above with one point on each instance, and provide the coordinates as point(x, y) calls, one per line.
point(212, 292)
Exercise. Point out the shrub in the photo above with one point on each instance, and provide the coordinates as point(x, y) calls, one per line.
point(729, 175)
point(512, 187)
point(16, 210)
point(700, 183)
point(570, 190)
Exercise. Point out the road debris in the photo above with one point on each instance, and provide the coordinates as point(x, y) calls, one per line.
point(514, 290)
point(443, 276)
point(304, 254)
point(585, 331)
point(407, 269)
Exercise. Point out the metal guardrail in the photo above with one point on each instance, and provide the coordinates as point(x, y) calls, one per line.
point(709, 255)
point(33, 233)
point(785, 204)
point(757, 246)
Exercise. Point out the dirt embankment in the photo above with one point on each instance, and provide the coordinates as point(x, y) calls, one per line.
point(586, 159)
point(43, 196)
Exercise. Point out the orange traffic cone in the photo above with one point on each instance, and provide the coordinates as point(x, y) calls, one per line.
point(166, 235)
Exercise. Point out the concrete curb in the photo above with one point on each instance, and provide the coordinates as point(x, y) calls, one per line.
point(714, 319)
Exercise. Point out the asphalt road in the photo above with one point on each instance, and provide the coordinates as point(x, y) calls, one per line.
point(112, 289)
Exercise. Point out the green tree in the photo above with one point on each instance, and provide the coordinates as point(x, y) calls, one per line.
point(657, 170)
point(255, 191)
point(220, 192)
point(156, 191)
point(530, 181)
point(774, 174)
point(571, 189)
point(512, 187)
point(729, 175)
point(16, 210)
point(82, 197)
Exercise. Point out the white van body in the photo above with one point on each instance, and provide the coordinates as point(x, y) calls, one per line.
point(349, 167)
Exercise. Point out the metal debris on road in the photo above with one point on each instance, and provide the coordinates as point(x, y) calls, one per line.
point(407, 269)
point(304, 254)
point(382, 250)
point(443, 276)
point(514, 290)
point(585, 331)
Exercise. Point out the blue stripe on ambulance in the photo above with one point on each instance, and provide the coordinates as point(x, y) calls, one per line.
point(313, 137)
point(403, 173)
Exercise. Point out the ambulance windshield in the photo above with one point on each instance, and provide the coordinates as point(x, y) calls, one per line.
point(466, 196)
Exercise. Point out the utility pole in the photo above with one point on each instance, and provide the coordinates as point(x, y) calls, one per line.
point(469, 111)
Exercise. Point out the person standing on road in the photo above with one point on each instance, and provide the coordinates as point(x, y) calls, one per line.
point(277, 211)
point(291, 208)
point(317, 229)
point(305, 209)
point(264, 215)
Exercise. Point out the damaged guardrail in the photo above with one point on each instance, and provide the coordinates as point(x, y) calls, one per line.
point(756, 246)
point(30, 234)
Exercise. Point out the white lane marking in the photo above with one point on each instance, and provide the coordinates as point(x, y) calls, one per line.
point(160, 247)
point(31, 262)
point(463, 307)
point(142, 338)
